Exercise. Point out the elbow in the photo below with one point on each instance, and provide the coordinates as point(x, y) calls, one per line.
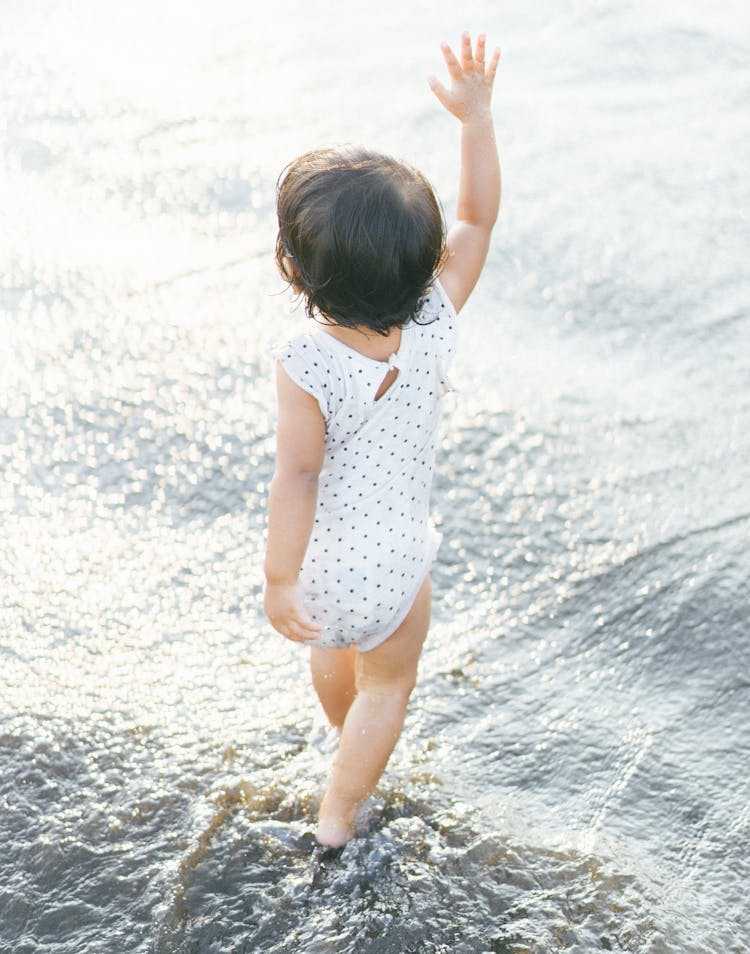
point(307, 476)
point(295, 481)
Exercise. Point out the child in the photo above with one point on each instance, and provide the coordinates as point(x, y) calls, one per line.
point(350, 545)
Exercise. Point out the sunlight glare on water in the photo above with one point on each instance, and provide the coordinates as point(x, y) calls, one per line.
point(573, 772)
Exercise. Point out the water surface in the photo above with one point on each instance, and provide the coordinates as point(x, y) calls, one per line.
point(573, 772)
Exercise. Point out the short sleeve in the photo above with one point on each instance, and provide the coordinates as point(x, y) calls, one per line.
point(306, 366)
point(438, 312)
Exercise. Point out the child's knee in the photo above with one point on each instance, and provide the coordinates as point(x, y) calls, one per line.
point(399, 686)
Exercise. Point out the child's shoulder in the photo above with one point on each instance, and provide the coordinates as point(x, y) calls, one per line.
point(436, 305)
point(308, 365)
point(305, 354)
point(308, 346)
point(437, 317)
point(298, 343)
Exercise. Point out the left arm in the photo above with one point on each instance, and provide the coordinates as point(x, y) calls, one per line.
point(292, 499)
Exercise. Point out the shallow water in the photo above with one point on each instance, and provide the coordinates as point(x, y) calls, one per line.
point(573, 775)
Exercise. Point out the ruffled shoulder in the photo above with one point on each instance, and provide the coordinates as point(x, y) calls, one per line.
point(307, 366)
point(439, 321)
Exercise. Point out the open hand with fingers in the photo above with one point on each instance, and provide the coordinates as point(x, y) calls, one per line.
point(283, 606)
point(471, 79)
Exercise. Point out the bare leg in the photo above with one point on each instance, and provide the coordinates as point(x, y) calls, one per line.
point(385, 679)
point(333, 675)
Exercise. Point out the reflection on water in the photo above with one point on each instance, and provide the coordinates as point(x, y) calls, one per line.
point(573, 773)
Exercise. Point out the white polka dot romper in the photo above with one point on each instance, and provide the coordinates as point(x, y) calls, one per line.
point(372, 542)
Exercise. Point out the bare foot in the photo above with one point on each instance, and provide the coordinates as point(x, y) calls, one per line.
point(335, 822)
point(332, 834)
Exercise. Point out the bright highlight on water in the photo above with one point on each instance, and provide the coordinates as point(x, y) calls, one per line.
point(573, 771)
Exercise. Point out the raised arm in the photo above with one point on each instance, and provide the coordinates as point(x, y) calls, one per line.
point(468, 99)
point(292, 498)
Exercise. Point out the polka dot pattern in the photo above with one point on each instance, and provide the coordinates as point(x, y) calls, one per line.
point(372, 541)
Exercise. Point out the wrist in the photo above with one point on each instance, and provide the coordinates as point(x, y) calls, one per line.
point(276, 579)
point(481, 117)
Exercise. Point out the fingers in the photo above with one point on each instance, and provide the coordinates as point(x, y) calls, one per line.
point(295, 635)
point(285, 611)
point(454, 67)
point(302, 630)
point(492, 68)
point(442, 93)
point(479, 55)
point(297, 629)
point(467, 57)
point(470, 62)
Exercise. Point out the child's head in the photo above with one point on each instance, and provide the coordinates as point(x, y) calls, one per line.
point(361, 236)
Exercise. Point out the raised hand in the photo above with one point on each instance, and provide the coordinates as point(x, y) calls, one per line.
point(471, 79)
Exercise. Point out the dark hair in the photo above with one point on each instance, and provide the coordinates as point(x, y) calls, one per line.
point(361, 236)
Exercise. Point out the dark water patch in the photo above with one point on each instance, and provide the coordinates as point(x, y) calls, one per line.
point(599, 679)
point(86, 825)
point(421, 879)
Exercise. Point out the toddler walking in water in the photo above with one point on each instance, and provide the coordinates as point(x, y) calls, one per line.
point(350, 544)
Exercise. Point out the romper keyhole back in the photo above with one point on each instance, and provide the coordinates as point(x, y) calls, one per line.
point(393, 371)
point(390, 377)
point(392, 361)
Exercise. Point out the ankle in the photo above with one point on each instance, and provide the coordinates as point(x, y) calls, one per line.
point(332, 833)
point(336, 821)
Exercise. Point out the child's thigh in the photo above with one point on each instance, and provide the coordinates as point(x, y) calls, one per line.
point(395, 661)
point(329, 663)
